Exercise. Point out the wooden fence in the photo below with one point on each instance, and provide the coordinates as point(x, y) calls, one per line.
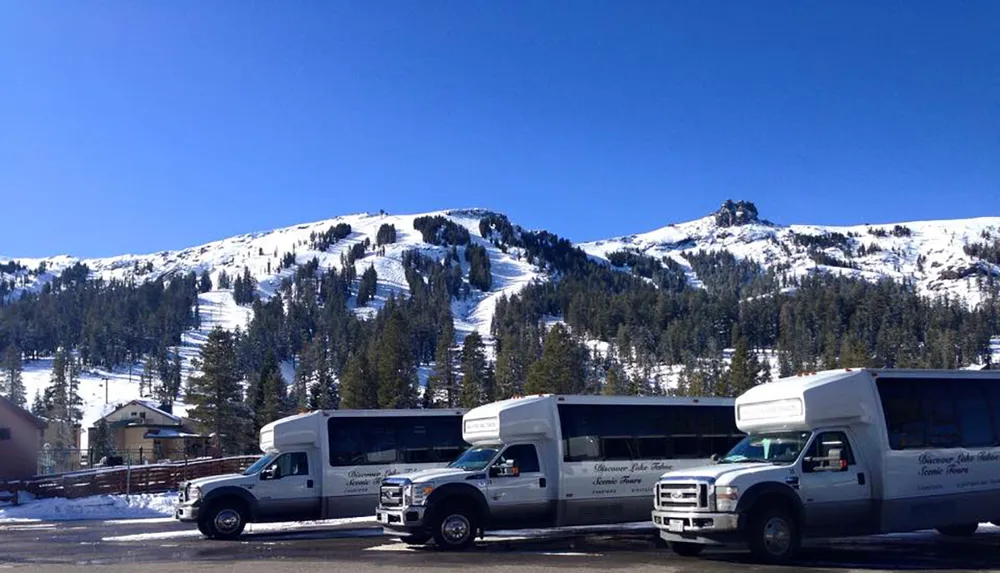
point(153, 478)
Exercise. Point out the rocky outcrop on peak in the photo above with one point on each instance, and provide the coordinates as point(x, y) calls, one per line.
point(734, 214)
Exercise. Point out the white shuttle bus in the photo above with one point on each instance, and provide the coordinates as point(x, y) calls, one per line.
point(552, 461)
point(844, 453)
point(322, 465)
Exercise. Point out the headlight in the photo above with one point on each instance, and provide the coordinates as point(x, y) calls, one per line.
point(408, 494)
point(420, 493)
point(726, 497)
point(194, 493)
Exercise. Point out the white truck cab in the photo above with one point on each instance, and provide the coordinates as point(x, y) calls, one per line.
point(552, 461)
point(321, 465)
point(844, 453)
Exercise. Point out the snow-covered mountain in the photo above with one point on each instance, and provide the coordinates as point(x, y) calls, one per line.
point(939, 256)
point(262, 254)
point(932, 254)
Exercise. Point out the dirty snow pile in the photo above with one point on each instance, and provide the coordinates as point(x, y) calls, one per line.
point(99, 507)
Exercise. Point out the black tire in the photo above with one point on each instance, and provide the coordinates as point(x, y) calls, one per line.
point(686, 549)
point(455, 528)
point(964, 530)
point(415, 539)
point(773, 535)
point(204, 529)
point(226, 520)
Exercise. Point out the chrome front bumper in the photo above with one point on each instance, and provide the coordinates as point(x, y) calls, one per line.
point(697, 527)
point(401, 518)
point(187, 512)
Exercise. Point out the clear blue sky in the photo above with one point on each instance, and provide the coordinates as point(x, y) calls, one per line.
point(144, 126)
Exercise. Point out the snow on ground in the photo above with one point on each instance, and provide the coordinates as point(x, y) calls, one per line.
point(95, 507)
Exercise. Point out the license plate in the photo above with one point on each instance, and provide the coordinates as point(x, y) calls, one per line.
point(675, 525)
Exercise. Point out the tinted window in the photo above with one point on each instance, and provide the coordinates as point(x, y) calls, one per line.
point(394, 439)
point(973, 412)
point(525, 458)
point(627, 432)
point(903, 413)
point(940, 413)
point(293, 464)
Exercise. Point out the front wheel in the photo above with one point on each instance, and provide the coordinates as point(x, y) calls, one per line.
point(964, 530)
point(773, 535)
point(455, 529)
point(204, 529)
point(686, 549)
point(225, 521)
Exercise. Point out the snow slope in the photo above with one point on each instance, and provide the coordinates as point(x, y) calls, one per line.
point(932, 255)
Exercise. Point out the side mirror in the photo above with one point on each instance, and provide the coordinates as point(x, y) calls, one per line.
point(269, 473)
point(715, 458)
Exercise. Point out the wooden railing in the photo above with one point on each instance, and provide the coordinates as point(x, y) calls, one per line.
point(152, 478)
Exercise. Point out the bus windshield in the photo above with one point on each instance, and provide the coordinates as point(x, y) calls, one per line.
point(475, 458)
point(259, 464)
point(775, 448)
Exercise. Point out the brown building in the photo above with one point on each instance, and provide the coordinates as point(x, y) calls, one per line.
point(142, 432)
point(20, 441)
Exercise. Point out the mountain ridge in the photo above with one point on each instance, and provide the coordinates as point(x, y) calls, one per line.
point(932, 252)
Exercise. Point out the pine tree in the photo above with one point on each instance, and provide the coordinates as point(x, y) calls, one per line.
point(358, 391)
point(394, 364)
point(443, 377)
point(38, 405)
point(11, 376)
point(510, 369)
point(853, 354)
point(205, 284)
point(744, 369)
point(324, 394)
point(269, 403)
point(560, 370)
point(477, 383)
point(215, 394)
point(73, 399)
point(616, 383)
point(367, 286)
point(146, 378)
point(103, 442)
point(224, 281)
point(56, 396)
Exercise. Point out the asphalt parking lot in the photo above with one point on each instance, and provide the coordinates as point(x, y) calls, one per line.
point(165, 545)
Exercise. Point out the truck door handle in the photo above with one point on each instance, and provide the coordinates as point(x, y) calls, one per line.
point(541, 482)
point(309, 484)
point(861, 478)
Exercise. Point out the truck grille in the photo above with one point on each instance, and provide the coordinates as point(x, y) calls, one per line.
point(685, 496)
point(390, 495)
